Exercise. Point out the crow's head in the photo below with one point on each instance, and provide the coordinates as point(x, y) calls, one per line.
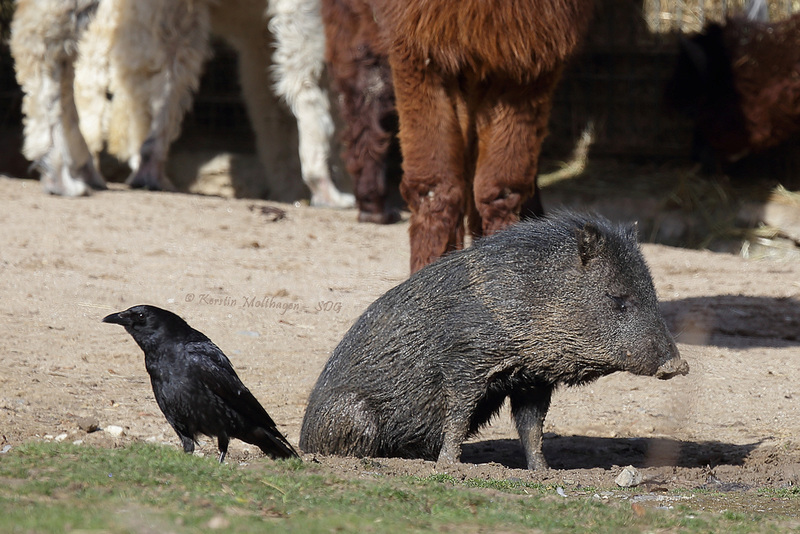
point(150, 325)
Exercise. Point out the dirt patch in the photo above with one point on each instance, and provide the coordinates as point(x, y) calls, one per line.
point(278, 293)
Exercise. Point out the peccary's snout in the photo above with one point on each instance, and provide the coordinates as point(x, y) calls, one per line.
point(670, 368)
point(672, 364)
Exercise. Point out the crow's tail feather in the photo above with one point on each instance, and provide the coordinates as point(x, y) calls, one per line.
point(271, 442)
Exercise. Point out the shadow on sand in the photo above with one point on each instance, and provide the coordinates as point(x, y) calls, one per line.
point(734, 320)
point(582, 452)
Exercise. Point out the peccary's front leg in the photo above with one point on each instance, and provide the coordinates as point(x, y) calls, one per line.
point(529, 408)
point(456, 427)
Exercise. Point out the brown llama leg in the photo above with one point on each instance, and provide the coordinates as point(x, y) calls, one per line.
point(433, 185)
point(511, 127)
point(360, 75)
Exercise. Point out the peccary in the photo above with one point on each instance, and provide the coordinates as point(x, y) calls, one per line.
point(559, 300)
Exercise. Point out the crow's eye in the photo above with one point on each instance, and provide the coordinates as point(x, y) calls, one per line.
point(621, 302)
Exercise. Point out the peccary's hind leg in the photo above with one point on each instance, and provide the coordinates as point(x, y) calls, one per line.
point(529, 408)
point(456, 429)
point(343, 426)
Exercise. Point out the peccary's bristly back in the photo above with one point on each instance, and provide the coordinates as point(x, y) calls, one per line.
point(565, 236)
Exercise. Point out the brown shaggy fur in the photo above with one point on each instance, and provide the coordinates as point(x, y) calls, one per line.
point(741, 83)
point(358, 66)
point(473, 83)
point(766, 69)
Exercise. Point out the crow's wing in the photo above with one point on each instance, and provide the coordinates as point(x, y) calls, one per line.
point(209, 365)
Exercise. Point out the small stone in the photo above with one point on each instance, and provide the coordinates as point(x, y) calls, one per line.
point(248, 333)
point(217, 522)
point(114, 430)
point(78, 442)
point(61, 437)
point(629, 477)
point(88, 424)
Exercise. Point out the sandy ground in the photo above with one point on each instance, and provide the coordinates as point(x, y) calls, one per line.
point(733, 422)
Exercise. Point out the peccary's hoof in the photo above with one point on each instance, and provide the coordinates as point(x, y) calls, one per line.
point(672, 368)
point(444, 464)
point(538, 463)
point(448, 457)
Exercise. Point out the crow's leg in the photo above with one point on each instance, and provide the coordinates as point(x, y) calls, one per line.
point(222, 441)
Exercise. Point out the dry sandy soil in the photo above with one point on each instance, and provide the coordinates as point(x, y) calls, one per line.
point(733, 422)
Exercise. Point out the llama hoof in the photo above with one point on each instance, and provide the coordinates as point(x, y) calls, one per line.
point(77, 189)
point(150, 182)
point(64, 186)
point(333, 199)
point(88, 174)
point(385, 217)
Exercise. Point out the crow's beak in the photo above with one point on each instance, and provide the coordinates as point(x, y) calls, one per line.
point(118, 318)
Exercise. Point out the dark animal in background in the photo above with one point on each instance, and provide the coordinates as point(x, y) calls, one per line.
point(358, 66)
point(561, 300)
point(195, 385)
point(741, 83)
point(473, 82)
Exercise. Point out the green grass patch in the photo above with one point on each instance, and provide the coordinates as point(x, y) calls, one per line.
point(46, 487)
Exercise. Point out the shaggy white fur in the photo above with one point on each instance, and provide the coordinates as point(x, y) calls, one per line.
point(149, 54)
point(297, 68)
point(44, 42)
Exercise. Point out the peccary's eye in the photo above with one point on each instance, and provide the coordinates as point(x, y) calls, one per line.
point(620, 302)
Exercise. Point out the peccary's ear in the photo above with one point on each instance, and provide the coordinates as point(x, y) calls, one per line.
point(590, 242)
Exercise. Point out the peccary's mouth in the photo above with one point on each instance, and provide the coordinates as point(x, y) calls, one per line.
point(675, 366)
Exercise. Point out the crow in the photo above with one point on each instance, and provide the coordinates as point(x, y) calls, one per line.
point(195, 385)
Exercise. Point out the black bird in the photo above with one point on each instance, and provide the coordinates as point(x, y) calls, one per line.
point(195, 385)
